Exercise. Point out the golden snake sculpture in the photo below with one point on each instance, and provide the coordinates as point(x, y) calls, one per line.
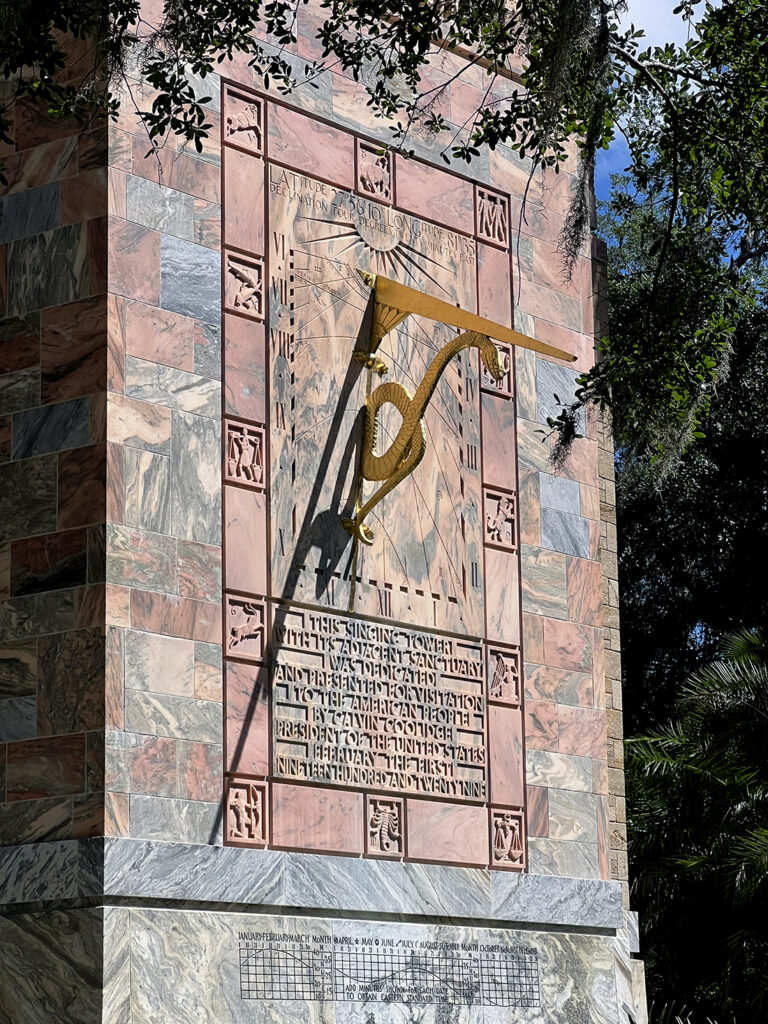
point(407, 449)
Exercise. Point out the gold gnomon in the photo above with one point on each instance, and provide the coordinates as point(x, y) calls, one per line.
point(393, 303)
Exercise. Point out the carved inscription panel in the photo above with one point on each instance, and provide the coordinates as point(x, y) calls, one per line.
point(425, 566)
point(378, 706)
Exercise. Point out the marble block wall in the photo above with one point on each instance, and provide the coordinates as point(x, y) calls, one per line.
point(130, 573)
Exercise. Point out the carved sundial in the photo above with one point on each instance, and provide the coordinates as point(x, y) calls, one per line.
point(416, 554)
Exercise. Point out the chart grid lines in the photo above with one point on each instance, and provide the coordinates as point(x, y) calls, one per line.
point(508, 978)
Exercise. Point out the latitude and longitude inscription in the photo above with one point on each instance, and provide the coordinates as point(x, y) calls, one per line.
point(358, 703)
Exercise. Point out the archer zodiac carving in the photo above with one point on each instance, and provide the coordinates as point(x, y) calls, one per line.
point(246, 813)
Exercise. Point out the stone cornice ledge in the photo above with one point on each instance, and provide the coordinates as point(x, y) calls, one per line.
point(299, 882)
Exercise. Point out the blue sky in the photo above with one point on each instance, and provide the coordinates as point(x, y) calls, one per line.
point(661, 26)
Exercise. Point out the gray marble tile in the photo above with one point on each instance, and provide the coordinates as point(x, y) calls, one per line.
point(52, 612)
point(18, 669)
point(561, 494)
point(28, 499)
point(209, 86)
point(32, 821)
point(29, 213)
point(547, 900)
point(556, 857)
point(19, 390)
point(117, 966)
point(186, 821)
point(51, 967)
point(140, 559)
point(558, 771)
point(196, 473)
point(64, 255)
point(552, 380)
point(165, 714)
point(633, 931)
point(51, 428)
point(208, 654)
point(566, 533)
point(147, 490)
point(175, 389)
point(217, 874)
point(190, 279)
point(525, 324)
point(160, 208)
point(208, 351)
point(161, 664)
point(39, 871)
point(572, 816)
point(17, 718)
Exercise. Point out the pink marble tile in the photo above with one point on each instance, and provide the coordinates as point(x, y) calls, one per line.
point(244, 369)
point(159, 335)
point(499, 449)
point(198, 178)
point(590, 502)
point(502, 596)
point(244, 201)
point(311, 818)
point(84, 196)
point(447, 833)
point(530, 508)
point(199, 771)
point(176, 616)
point(537, 808)
point(310, 147)
point(247, 719)
point(134, 261)
point(585, 591)
point(603, 838)
point(540, 725)
point(433, 194)
point(245, 566)
point(505, 742)
point(582, 464)
point(560, 685)
point(73, 349)
point(493, 284)
point(533, 638)
point(582, 731)
point(568, 645)
point(54, 766)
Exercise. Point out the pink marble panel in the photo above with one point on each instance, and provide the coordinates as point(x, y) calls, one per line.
point(568, 645)
point(159, 335)
point(505, 742)
point(73, 349)
point(447, 833)
point(84, 196)
point(498, 418)
point(54, 766)
point(502, 596)
point(244, 373)
point(247, 719)
point(309, 146)
point(585, 591)
point(199, 771)
point(580, 345)
point(434, 194)
point(533, 638)
point(244, 201)
point(134, 261)
point(582, 731)
point(537, 808)
point(310, 818)
point(245, 565)
point(541, 725)
point(176, 616)
point(493, 284)
point(560, 685)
